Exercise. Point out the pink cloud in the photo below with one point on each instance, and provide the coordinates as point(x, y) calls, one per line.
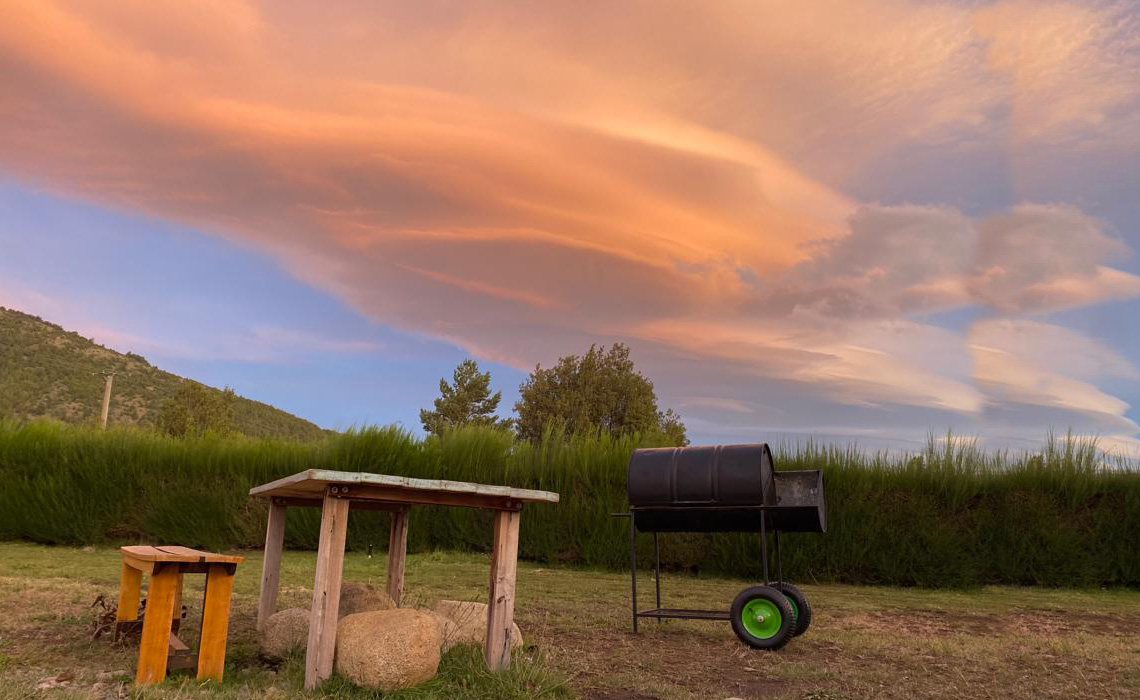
point(541, 181)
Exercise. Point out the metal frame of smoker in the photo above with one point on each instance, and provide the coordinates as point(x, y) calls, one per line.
point(660, 613)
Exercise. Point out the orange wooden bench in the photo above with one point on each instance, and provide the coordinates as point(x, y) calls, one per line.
point(160, 647)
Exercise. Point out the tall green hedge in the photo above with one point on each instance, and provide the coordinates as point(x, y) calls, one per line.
point(949, 516)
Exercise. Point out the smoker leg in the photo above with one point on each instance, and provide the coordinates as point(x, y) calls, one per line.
point(764, 544)
point(633, 569)
point(657, 571)
point(779, 563)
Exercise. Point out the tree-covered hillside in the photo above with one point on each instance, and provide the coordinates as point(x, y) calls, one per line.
point(46, 371)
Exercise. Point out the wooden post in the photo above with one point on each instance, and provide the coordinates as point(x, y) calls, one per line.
point(326, 591)
point(397, 552)
point(501, 600)
point(110, 377)
point(215, 623)
point(156, 624)
point(271, 563)
point(129, 590)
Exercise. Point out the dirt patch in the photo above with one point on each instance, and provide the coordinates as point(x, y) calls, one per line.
point(677, 657)
point(941, 623)
point(1065, 622)
point(926, 623)
point(618, 695)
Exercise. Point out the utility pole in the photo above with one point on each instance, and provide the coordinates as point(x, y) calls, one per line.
point(110, 377)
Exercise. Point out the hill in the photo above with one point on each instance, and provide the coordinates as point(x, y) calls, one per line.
point(46, 371)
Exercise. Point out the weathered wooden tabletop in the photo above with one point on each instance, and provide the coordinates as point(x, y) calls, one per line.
point(312, 485)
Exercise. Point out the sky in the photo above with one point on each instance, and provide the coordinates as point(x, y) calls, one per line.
point(850, 221)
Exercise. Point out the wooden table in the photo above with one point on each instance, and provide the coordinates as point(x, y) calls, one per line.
point(333, 491)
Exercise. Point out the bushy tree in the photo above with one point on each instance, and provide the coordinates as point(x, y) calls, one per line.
point(194, 409)
point(600, 390)
point(669, 432)
point(466, 401)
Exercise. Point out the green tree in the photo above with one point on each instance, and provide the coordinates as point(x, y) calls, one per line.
point(466, 401)
point(600, 390)
point(669, 431)
point(194, 409)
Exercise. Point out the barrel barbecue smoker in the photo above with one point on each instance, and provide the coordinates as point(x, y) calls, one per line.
point(727, 488)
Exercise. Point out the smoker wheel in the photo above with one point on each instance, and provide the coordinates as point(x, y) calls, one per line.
point(762, 617)
point(800, 606)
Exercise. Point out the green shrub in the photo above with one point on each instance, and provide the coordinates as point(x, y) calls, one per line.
point(952, 515)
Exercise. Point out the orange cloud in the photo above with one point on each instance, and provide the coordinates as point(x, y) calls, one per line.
point(526, 182)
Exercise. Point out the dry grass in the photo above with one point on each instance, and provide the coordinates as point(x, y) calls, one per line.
point(865, 642)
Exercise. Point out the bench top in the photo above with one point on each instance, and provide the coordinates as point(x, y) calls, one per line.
point(173, 553)
point(397, 489)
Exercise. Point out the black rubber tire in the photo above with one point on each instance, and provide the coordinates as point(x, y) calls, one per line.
point(801, 605)
point(787, 615)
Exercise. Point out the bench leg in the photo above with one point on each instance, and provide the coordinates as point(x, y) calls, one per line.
point(271, 564)
point(130, 587)
point(153, 648)
point(176, 619)
point(326, 592)
point(501, 599)
point(397, 552)
point(215, 623)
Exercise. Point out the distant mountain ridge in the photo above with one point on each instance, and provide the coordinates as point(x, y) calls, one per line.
point(49, 372)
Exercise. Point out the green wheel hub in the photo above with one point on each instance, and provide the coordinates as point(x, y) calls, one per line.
point(761, 618)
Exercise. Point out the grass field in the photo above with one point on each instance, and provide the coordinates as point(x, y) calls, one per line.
point(865, 642)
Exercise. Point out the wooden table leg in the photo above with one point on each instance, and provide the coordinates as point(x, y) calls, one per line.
point(156, 624)
point(501, 599)
point(397, 551)
point(215, 623)
point(326, 592)
point(271, 564)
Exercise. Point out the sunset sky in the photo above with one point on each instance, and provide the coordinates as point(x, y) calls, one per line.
point(858, 221)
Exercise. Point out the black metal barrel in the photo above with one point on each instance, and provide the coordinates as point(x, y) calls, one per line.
point(721, 489)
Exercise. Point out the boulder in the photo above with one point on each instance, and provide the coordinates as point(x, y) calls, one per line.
point(448, 631)
point(357, 597)
point(285, 631)
point(470, 620)
point(388, 649)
